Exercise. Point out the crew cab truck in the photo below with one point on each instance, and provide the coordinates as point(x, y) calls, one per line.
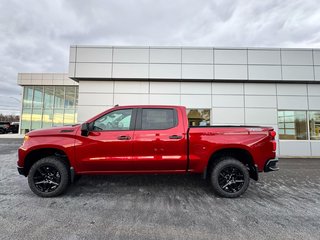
point(146, 140)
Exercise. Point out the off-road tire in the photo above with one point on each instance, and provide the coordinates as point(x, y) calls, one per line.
point(232, 169)
point(43, 169)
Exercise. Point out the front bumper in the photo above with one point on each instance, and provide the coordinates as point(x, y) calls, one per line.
point(271, 165)
point(21, 171)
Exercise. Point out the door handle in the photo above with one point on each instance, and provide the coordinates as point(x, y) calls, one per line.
point(175, 137)
point(124, 138)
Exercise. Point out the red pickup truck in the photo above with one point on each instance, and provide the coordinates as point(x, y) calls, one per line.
point(146, 139)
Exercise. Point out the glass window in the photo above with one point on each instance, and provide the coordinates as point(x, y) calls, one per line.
point(36, 118)
point(158, 119)
point(47, 118)
point(48, 97)
point(70, 97)
point(116, 120)
point(314, 125)
point(38, 97)
point(26, 119)
point(292, 125)
point(58, 117)
point(27, 96)
point(198, 117)
point(59, 97)
point(68, 118)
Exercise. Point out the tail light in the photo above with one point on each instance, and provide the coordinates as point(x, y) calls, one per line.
point(273, 134)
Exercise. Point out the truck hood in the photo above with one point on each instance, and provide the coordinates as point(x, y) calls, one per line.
point(55, 131)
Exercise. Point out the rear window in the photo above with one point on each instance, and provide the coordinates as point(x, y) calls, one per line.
point(158, 119)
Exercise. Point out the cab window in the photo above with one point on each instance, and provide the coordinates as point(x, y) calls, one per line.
point(116, 120)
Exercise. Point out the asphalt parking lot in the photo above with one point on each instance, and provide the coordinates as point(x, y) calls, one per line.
point(282, 205)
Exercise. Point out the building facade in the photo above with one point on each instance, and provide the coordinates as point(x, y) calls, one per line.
point(251, 86)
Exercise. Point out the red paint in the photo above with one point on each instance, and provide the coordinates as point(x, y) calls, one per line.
point(150, 151)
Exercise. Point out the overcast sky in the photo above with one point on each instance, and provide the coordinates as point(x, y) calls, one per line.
point(35, 35)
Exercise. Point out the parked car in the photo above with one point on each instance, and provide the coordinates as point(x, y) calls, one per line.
point(147, 139)
point(4, 127)
point(14, 127)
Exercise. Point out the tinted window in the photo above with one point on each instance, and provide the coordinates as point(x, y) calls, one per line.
point(158, 119)
point(116, 120)
point(292, 125)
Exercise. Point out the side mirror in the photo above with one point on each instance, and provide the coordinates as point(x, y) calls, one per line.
point(85, 129)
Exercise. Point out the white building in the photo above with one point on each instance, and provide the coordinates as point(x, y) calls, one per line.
point(251, 86)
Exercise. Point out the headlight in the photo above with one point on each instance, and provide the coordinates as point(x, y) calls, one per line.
point(26, 138)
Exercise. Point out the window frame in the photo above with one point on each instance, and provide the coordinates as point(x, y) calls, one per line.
point(138, 126)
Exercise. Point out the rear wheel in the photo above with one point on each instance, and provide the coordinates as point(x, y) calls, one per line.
point(229, 178)
point(48, 177)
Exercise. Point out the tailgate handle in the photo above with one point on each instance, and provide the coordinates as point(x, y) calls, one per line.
point(175, 137)
point(124, 138)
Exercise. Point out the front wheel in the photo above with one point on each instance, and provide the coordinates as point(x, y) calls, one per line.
point(229, 178)
point(48, 177)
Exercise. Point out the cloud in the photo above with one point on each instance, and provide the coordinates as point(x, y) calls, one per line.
point(35, 35)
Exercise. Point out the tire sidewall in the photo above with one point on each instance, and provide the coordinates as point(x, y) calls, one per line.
point(222, 164)
point(60, 166)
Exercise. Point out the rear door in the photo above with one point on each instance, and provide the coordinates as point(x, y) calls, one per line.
point(159, 142)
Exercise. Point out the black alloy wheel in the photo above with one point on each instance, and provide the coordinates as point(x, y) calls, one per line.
point(229, 177)
point(47, 178)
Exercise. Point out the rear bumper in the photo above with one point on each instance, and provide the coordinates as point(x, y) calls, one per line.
point(21, 171)
point(271, 165)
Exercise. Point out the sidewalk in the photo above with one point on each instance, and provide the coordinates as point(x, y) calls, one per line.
point(11, 136)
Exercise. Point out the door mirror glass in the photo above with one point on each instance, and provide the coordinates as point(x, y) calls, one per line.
point(85, 129)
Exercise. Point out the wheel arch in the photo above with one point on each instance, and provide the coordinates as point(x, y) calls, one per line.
point(240, 154)
point(35, 155)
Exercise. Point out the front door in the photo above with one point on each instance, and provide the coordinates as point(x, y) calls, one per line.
point(108, 148)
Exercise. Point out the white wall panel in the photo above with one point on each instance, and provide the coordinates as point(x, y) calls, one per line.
point(264, 72)
point(196, 101)
point(72, 67)
point(260, 89)
point(168, 87)
point(131, 87)
point(230, 56)
point(92, 54)
point(314, 103)
point(313, 89)
point(292, 89)
point(294, 148)
point(169, 71)
point(234, 72)
point(165, 55)
point(292, 103)
point(317, 73)
point(264, 57)
point(315, 148)
point(296, 57)
point(191, 71)
point(228, 116)
point(96, 86)
point(94, 99)
point(227, 88)
point(131, 99)
point(122, 70)
point(261, 116)
point(227, 101)
point(197, 55)
point(72, 54)
point(131, 55)
point(195, 88)
point(93, 70)
point(165, 99)
point(316, 57)
point(296, 73)
point(87, 112)
point(261, 101)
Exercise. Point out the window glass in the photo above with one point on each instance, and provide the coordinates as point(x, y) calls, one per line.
point(68, 117)
point(36, 118)
point(198, 117)
point(70, 97)
point(26, 119)
point(58, 117)
point(47, 118)
point(158, 119)
point(292, 125)
point(116, 120)
point(314, 125)
point(59, 97)
point(27, 96)
point(48, 97)
point(38, 97)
